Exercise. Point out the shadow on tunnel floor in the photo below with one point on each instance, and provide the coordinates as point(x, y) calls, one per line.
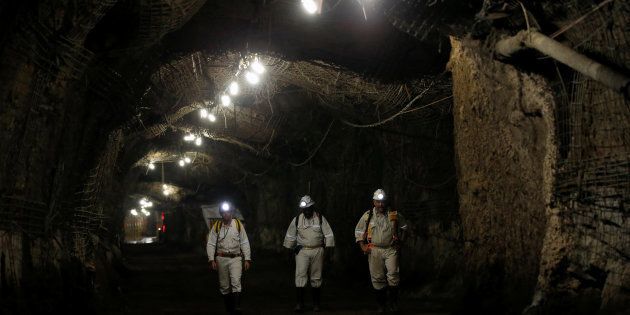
point(166, 279)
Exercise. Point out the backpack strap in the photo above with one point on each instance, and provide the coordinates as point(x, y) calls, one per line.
point(367, 225)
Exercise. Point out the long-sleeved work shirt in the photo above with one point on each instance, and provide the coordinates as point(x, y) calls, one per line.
point(228, 240)
point(381, 228)
point(310, 232)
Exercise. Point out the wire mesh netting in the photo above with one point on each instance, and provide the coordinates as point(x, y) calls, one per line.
point(593, 178)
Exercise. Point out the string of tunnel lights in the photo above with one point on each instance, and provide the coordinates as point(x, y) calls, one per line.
point(249, 68)
point(144, 204)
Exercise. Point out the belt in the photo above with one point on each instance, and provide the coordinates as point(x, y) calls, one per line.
point(312, 247)
point(376, 246)
point(228, 255)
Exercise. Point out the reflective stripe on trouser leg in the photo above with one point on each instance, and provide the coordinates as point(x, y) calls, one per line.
point(305, 260)
point(230, 270)
point(383, 267)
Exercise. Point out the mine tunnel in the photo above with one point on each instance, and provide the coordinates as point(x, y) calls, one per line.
point(315, 156)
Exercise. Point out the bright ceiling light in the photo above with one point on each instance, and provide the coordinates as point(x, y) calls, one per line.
point(189, 137)
point(226, 100)
point(233, 89)
point(212, 118)
point(251, 77)
point(187, 160)
point(134, 212)
point(310, 6)
point(198, 141)
point(151, 166)
point(203, 113)
point(181, 163)
point(147, 213)
point(258, 67)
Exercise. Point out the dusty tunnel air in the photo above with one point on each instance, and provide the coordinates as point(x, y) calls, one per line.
point(314, 156)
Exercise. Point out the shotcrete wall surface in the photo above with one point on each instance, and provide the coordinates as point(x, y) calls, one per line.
point(504, 151)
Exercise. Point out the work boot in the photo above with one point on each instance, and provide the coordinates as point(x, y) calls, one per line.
point(299, 307)
point(393, 299)
point(381, 299)
point(236, 296)
point(316, 299)
point(229, 305)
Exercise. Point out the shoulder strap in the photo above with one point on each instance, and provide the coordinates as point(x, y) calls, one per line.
point(238, 225)
point(367, 224)
point(216, 226)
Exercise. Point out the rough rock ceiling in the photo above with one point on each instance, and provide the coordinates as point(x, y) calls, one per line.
point(340, 67)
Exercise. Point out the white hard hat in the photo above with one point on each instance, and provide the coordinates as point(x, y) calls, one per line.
point(379, 194)
point(306, 201)
point(226, 206)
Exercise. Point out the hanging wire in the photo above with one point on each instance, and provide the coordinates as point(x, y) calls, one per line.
point(317, 148)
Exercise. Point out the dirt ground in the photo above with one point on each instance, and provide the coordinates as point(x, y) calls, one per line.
point(164, 279)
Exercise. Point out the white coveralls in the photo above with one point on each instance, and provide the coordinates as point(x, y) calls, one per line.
point(230, 242)
point(312, 235)
point(383, 258)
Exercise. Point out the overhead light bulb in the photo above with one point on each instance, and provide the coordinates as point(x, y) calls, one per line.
point(226, 100)
point(203, 112)
point(233, 89)
point(134, 212)
point(181, 163)
point(151, 166)
point(310, 6)
point(251, 77)
point(198, 141)
point(187, 160)
point(212, 118)
point(258, 67)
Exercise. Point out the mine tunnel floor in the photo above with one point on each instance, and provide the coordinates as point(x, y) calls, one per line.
point(164, 279)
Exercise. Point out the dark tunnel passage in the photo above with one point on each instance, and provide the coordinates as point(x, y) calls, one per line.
point(212, 157)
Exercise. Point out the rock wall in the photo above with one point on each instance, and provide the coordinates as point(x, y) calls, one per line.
point(505, 154)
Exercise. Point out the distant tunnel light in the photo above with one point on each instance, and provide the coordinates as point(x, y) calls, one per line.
point(198, 141)
point(233, 89)
point(181, 163)
point(312, 6)
point(133, 212)
point(203, 113)
point(212, 118)
point(251, 77)
point(151, 166)
point(187, 160)
point(226, 100)
point(166, 192)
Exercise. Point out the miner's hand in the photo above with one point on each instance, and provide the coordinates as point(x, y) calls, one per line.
point(213, 265)
point(248, 264)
